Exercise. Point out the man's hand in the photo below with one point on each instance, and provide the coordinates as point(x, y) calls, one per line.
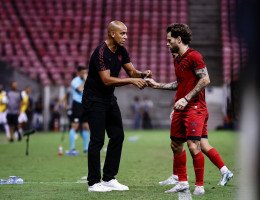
point(140, 83)
point(151, 82)
point(181, 104)
point(147, 74)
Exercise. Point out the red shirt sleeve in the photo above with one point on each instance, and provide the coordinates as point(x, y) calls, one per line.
point(197, 60)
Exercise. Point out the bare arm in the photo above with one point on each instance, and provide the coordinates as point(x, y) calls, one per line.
point(204, 80)
point(114, 81)
point(132, 72)
point(169, 86)
point(163, 86)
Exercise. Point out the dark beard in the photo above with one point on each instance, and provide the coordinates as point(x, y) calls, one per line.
point(174, 50)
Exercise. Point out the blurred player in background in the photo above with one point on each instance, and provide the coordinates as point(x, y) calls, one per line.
point(13, 110)
point(190, 116)
point(102, 109)
point(23, 118)
point(3, 111)
point(77, 119)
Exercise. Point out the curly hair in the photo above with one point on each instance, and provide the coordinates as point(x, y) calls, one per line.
point(181, 30)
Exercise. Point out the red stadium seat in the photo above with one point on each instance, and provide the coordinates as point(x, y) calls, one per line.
point(58, 34)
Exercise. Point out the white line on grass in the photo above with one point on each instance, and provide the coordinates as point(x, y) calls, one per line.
point(62, 182)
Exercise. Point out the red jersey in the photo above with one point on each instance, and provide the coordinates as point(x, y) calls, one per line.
point(185, 67)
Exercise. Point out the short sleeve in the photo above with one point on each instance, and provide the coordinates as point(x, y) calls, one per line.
point(75, 83)
point(126, 58)
point(102, 63)
point(197, 60)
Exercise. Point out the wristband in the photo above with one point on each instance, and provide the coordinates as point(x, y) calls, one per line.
point(186, 99)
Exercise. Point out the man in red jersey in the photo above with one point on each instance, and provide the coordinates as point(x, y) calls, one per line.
point(206, 148)
point(190, 116)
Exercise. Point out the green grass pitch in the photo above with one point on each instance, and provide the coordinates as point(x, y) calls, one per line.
point(146, 160)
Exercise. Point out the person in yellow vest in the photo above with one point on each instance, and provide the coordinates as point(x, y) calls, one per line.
point(23, 118)
point(3, 110)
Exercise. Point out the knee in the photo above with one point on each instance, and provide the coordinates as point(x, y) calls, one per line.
point(176, 148)
point(117, 138)
point(85, 126)
point(194, 148)
point(120, 137)
point(96, 144)
point(205, 147)
point(75, 126)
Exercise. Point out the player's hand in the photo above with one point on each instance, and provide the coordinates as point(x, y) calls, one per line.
point(151, 82)
point(147, 74)
point(140, 83)
point(180, 104)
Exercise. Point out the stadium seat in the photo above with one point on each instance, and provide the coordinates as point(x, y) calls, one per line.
point(60, 34)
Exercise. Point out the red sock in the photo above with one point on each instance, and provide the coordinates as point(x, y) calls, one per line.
point(179, 164)
point(215, 158)
point(198, 164)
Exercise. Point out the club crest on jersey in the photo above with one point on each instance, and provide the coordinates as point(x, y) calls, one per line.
point(120, 58)
point(193, 124)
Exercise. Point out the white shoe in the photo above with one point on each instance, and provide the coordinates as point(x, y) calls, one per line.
point(225, 178)
point(199, 190)
point(115, 185)
point(98, 187)
point(172, 180)
point(180, 187)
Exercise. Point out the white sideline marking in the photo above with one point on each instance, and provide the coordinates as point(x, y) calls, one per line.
point(133, 138)
point(62, 182)
point(186, 195)
point(83, 180)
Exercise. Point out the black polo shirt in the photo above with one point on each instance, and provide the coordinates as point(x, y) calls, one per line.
point(103, 59)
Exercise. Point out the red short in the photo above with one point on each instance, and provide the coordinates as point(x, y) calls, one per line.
point(189, 124)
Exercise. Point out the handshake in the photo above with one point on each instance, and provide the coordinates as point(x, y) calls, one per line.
point(151, 82)
point(145, 81)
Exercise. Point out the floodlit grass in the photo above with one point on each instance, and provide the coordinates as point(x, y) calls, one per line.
point(146, 160)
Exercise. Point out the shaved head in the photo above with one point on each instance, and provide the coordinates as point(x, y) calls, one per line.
point(117, 33)
point(115, 25)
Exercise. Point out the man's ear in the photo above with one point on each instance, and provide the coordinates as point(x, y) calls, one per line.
point(179, 39)
point(113, 34)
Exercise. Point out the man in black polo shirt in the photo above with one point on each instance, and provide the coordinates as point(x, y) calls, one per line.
point(102, 109)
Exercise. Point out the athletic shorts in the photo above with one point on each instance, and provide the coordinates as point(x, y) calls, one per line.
point(12, 119)
point(190, 124)
point(77, 114)
point(22, 118)
point(3, 119)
